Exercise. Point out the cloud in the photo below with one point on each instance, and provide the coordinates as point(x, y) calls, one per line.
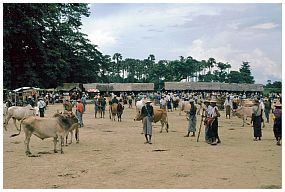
point(265, 26)
point(262, 66)
point(99, 38)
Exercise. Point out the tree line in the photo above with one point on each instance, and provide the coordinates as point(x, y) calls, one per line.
point(44, 47)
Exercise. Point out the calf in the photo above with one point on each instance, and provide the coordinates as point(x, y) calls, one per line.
point(43, 128)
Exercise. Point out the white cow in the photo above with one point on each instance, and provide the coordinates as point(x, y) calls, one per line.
point(56, 127)
point(18, 113)
point(243, 113)
point(139, 105)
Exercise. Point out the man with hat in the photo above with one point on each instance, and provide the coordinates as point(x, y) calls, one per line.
point(192, 119)
point(277, 127)
point(256, 120)
point(213, 114)
point(31, 101)
point(147, 112)
point(79, 112)
point(41, 105)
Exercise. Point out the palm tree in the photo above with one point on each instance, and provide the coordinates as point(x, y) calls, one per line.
point(118, 58)
point(210, 64)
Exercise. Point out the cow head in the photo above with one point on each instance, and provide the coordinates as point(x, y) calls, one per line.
point(138, 116)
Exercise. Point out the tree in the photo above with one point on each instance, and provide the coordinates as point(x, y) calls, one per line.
point(246, 73)
point(234, 77)
point(43, 45)
point(117, 57)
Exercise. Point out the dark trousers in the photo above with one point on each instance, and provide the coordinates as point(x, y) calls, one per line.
point(42, 112)
point(213, 131)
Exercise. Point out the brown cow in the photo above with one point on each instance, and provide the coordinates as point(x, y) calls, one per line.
point(47, 127)
point(116, 109)
point(159, 115)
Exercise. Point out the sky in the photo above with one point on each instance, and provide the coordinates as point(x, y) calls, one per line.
point(227, 32)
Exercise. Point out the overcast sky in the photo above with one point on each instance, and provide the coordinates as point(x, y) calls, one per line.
point(227, 32)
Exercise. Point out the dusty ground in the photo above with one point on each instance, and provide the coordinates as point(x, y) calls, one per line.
point(113, 155)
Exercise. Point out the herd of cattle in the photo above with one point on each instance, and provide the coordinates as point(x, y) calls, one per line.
point(59, 126)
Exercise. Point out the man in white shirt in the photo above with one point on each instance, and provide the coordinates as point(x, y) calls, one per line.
point(41, 105)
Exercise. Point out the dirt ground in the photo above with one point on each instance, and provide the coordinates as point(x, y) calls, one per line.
point(113, 155)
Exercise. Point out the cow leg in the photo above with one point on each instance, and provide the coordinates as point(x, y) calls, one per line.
point(243, 121)
point(162, 125)
point(77, 135)
point(71, 133)
point(66, 140)
point(167, 126)
point(15, 123)
point(8, 117)
point(61, 144)
point(28, 135)
point(55, 142)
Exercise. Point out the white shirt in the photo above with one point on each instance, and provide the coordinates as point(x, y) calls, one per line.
point(212, 111)
point(41, 104)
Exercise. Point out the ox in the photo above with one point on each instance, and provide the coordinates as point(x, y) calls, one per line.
point(243, 113)
point(76, 128)
point(43, 128)
point(159, 115)
point(117, 109)
point(184, 106)
point(18, 113)
point(139, 105)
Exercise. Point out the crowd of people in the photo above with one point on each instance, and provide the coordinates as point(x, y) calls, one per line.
point(209, 102)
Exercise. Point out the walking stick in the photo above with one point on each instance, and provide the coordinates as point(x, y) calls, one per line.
point(200, 126)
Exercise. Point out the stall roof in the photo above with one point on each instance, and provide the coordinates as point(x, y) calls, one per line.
point(119, 86)
point(25, 88)
point(213, 86)
point(70, 86)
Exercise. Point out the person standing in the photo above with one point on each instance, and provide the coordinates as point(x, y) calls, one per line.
point(256, 120)
point(228, 105)
point(79, 112)
point(192, 119)
point(267, 109)
point(83, 101)
point(214, 114)
point(162, 103)
point(67, 105)
point(277, 127)
point(41, 105)
point(31, 101)
point(96, 105)
point(147, 112)
point(115, 100)
point(205, 112)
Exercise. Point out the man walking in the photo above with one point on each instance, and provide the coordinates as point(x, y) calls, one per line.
point(147, 112)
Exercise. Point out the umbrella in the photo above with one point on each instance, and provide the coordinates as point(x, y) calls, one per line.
point(93, 90)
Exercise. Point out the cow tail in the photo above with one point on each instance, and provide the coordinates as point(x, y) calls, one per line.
point(16, 134)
